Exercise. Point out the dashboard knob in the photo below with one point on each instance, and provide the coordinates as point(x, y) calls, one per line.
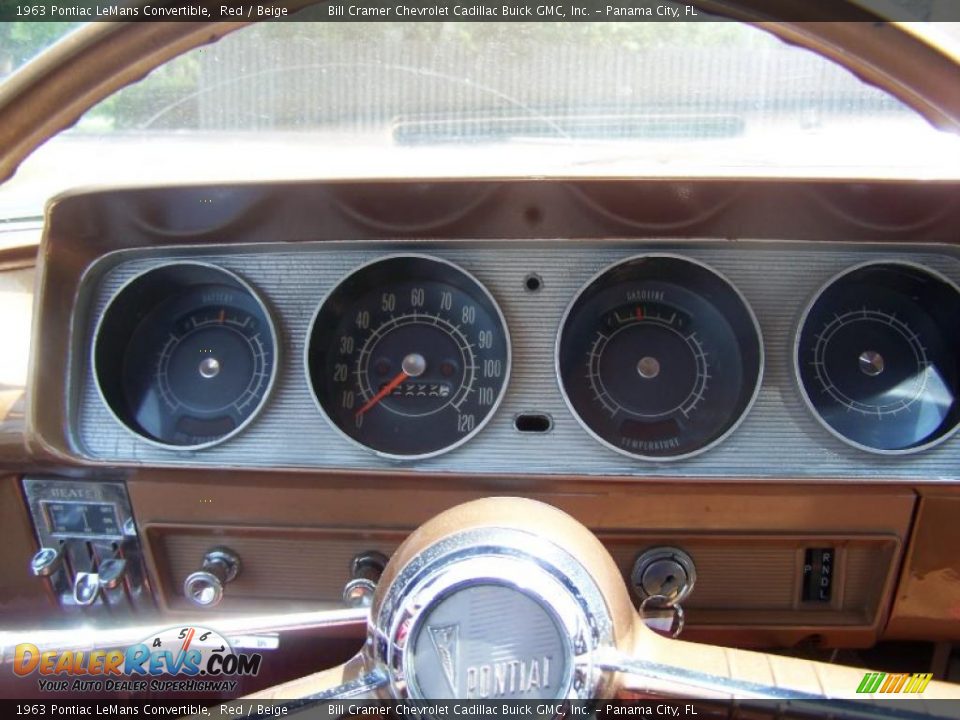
point(112, 572)
point(359, 592)
point(86, 588)
point(46, 562)
point(366, 568)
point(204, 588)
point(664, 571)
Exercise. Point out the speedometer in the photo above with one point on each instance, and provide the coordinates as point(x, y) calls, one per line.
point(408, 356)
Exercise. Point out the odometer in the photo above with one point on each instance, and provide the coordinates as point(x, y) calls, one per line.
point(408, 356)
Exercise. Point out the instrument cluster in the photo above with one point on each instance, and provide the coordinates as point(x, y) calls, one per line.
point(658, 356)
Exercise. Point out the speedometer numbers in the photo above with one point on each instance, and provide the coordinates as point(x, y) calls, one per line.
point(659, 357)
point(877, 360)
point(408, 356)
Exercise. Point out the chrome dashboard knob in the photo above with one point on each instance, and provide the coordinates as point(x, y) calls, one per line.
point(358, 592)
point(112, 572)
point(366, 569)
point(46, 562)
point(204, 588)
point(86, 588)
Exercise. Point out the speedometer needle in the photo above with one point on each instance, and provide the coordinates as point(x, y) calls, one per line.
point(386, 390)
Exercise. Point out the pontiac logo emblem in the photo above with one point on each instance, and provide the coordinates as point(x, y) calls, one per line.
point(446, 641)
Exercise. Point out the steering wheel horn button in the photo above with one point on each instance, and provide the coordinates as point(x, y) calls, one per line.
point(489, 641)
point(490, 614)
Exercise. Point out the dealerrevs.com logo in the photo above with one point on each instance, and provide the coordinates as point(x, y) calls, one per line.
point(190, 659)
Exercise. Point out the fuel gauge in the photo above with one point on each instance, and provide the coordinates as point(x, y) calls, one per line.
point(659, 357)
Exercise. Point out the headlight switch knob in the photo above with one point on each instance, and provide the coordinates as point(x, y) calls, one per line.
point(204, 588)
point(365, 571)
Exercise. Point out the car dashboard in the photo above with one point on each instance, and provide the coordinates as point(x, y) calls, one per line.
point(659, 358)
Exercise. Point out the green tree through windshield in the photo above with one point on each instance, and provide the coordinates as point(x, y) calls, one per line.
point(22, 41)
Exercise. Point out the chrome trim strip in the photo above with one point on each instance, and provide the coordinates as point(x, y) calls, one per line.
point(354, 689)
point(704, 681)
point(791, 701)
point(93, 637)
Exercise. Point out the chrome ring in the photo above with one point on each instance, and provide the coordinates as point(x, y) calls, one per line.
point(243, 285)
point(798, 332)
point(757, 381)
point(497, 401)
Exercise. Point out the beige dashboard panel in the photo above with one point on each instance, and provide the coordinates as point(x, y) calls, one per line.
point(928, 599)
point(296, 539)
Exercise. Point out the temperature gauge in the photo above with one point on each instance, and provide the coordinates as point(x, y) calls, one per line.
point(659, 357)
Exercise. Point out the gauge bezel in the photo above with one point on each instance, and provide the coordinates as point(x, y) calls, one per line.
point(798, 331)
point(758, 381)
point(508, 365)
point(245, 286)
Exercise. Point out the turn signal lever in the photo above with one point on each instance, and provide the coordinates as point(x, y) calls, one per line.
point(204, 588)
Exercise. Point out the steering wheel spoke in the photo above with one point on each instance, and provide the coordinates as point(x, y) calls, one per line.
point(659, 667)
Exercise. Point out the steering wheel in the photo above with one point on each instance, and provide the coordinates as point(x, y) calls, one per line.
point(512, 599)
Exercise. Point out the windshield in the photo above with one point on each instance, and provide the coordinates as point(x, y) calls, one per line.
point(20, 42)
point(374, 100)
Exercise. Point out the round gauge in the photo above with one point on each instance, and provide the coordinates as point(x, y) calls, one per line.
point(877, 360)
point(659, 357)
point(185, 355)
point(409, 356)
